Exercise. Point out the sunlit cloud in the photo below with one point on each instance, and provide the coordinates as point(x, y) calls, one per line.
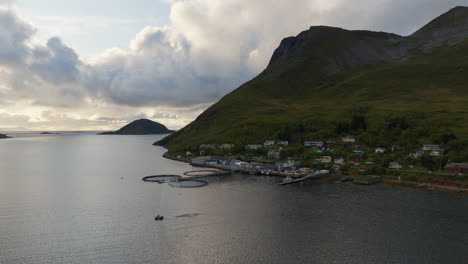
point(170, 73)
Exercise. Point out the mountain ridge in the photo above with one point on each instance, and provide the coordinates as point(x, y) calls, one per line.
point(321, 79)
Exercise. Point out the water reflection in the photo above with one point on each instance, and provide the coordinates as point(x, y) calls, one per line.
point(188, 184)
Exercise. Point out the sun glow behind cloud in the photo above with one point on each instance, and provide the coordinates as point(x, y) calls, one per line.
point(168, 73)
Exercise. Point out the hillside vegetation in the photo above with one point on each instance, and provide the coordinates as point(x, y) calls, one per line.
point(327, 82)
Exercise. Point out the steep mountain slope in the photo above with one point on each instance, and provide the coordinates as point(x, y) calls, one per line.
point(329, 81)
point(141, 127)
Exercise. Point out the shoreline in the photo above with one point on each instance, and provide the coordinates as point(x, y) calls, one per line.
point(426, 186)
point(389, 182)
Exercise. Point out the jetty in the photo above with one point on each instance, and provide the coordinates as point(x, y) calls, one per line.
point(313, 176)
point(197, 174)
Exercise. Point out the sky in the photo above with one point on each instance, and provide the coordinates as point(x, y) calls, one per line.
point(96, 65)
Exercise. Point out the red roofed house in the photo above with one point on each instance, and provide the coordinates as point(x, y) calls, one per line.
point(456, 167)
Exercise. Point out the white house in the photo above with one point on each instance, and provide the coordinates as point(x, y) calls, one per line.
point(435, 153)
point(273, 153)
point(253, 146)
point(339, 160)
point(416, 154)
point(227, 146)
point(428, 147)
point(317, 144)
point(395, 165)
point(283, 142)
point(348, 139)
point(379, 150)
point(269, 143)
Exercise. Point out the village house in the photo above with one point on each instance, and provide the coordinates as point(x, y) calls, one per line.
point(339, 160)
point(356, 160)
point(456, 167)
point(283, 142)
point(395, 148)
point(209, 146)
point(325, 159)
point(253, 146)
point(188, 153)
point(427, 147)
point(318, 150)
point(395, 165)
point(274, 153)
point(227, 146)
point(348, 139)
point(379, 150)
point(416, 154)
point(358, 149)
point(370, 161)
point(269, 143)
point(435, 153)
point(315, 144)
point(260, 158)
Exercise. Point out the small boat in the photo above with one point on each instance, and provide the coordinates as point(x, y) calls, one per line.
point(159, 218)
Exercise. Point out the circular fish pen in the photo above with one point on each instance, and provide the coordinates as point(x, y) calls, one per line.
point(205, 173)
point(187, 184)
point(162, 178)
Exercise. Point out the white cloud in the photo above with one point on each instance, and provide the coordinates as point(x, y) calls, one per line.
point(208, 49)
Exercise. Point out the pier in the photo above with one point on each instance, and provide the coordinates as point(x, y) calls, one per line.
point(310, 176)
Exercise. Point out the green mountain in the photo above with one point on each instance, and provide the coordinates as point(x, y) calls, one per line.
point(326, 82)
point(141, 127)
point(3, 136)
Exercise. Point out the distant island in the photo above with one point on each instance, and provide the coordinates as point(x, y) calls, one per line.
point(141, 127)
point(49, 133)
point(4, 136)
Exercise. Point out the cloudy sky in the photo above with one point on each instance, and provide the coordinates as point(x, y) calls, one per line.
point(94, 65)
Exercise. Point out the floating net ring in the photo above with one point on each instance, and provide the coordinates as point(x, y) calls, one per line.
point(162, 178)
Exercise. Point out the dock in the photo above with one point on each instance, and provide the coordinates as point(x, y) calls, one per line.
point(198, 174)
point(310, 176)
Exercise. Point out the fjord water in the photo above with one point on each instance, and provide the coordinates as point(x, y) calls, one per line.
point(79, 198)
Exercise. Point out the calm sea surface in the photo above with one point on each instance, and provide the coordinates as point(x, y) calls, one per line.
point(63, 200)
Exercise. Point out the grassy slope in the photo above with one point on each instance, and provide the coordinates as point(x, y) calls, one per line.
point(434, 85)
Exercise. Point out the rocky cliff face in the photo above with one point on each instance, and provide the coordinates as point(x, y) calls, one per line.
point(448, 29)
point(338, 50)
